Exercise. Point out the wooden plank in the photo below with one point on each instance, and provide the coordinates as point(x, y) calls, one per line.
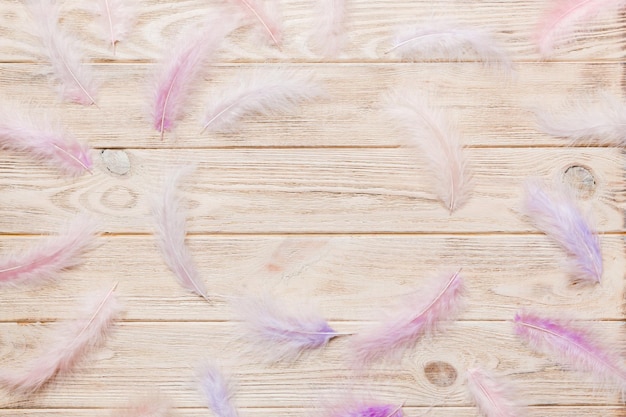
point(144, 356)
point(371, 28)
point(490, 110)
point(307, 191)
point(347, 278)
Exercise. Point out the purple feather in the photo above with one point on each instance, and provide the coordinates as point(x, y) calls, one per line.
point(217, 391)
point(572, 347)
point(354, 409)
point(556, 214)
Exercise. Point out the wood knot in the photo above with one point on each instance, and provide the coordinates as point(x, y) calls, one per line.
point(115, 161)
point(581, 180)
point(440, 374)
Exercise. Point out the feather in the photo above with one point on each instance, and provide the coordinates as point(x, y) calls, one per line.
point(44, 140)
point(454, 42)
point(563, 18)
point(170, 234)
point(151, 407)
point(572, 347)
point(115, 18)
point(493, 397)
point(600, 119)
point(279, 334)
point(329, 33)
point(182, 67)
point(266, 13)
point(217, 391)
point(50, 256)
point(70, 343)
point(555, 213)
point(75, 82)
point(362, 409)
point(261, 92)
point(423, 313)
point(439, 141)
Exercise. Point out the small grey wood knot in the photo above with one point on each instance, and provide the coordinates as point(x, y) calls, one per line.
point(580, 179)
point(440, 374)
point(116, 161)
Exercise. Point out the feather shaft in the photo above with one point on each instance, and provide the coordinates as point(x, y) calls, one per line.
point(72, 341)
point(115, 18)
point(492, 397)
point(46, 259)
point(556, 214)
point(217, 391)
point(269, 21)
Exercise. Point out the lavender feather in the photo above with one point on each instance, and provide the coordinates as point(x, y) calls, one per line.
point(360, 409)
point(217, 391)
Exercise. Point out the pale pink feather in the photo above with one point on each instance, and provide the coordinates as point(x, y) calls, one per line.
point(576, 347)
point(554, 211)
point(150, 407)
point(74, 79)
point(422, 314)
point(266, 14)
point(565, 16)
point(428, 128)
point(171, 231)
point(115, 19)
point(217, 391)
point(50, 256)
point(43, 139)
point(450, 41)
point(182, 68)
point(69, 344)
point(277, 333)
point(264, 92)
point(329, 32)
point(493, 396)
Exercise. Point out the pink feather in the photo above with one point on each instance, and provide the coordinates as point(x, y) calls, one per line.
point(573, 347)
point(277, 333)
point(353, 408)
point(493, 397)
point(151, 407)
point(556, 214)
point(44, 140)
point(217, 391)
point(329, 32)
point(266, 14)
point(563, 18)
point(428, 129)
point(182, 68)
point(260, 92)
point(423, 313)
point(115, 18)
point(50, 256)
point(69, 344)
point(75, 82)
point(170, 234)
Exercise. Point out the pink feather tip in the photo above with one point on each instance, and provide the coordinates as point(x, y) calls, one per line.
point(423, 313)
point(115, 19)
point(556, 214)
point(573, 347)
point(50, 256)
point(493, 397)
point(266, 14)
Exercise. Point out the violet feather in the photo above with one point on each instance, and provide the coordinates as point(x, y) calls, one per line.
point(363, 409)
point(217, 391)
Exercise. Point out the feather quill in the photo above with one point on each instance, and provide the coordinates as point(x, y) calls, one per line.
point(278, 334)
point(329, 33)
point(44, 140)
point(492, 396)
point(600, 119)
point(455, 42)
point(182, 67)
point(217, 391)
point(362, 409)
point(70, 343)
point(556, 214)
point(170, 234)
point(260, 92)
point(565, 16)
point(423, 313)
point(115, 18)
point(75, 82)
point(50, 256)
point(266, 13)
point(439, 141)
point(572, 347)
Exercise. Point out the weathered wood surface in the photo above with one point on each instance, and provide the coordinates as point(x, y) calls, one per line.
point(322, 205)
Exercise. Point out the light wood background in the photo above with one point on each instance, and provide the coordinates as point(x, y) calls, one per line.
point(321, 205)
